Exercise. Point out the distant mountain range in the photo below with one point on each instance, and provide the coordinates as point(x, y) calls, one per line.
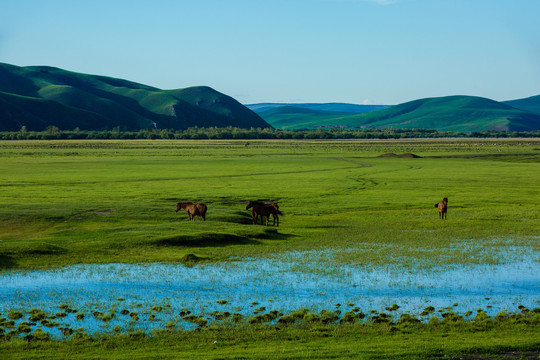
point(531, 104)
point(39, 96)
point(332, 107)
point(450, 113)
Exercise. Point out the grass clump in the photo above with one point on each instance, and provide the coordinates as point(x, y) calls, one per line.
point(403, 338)
point(15, 314)
point(37, 315)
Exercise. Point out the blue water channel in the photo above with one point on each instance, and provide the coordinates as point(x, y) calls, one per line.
point(283, 283)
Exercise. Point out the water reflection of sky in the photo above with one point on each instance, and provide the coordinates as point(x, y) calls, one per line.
point(283, 283)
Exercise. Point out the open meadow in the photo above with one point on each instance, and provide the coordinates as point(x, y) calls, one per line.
point(346, 205)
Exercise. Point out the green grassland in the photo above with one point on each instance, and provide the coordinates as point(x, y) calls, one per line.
point(444, 340)
point(72, 202)
point(113, 201)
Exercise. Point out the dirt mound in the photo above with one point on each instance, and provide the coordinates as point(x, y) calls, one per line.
point(406, 155)
point(191, 258)
point(409, 155)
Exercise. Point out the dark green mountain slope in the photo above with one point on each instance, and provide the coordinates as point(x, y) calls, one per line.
point(17, 111)
point(294, 118)
point(450, 113)
point(530, 104)
point(335, 107)
point(39, 96)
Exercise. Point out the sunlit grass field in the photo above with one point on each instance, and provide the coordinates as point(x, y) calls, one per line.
point(85, 202)
point(68, 202)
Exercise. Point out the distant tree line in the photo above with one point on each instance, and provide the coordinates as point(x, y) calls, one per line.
point(54, 133)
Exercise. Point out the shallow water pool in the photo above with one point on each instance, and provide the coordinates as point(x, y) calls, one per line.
point(283, 283)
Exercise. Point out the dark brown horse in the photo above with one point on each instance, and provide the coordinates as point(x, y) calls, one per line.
point(255, 207)
point(443, 207)
point(193, 210)
point(264, 210)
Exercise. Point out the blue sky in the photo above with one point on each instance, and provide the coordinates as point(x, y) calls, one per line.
point(358, 51)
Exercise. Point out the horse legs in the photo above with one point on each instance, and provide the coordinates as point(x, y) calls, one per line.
point(253, 217)
point(275, 217)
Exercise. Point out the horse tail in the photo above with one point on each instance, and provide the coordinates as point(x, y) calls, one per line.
point(437, 205)
point(279, 212)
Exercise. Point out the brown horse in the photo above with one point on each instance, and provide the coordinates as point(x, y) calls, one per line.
point(193, 210)
point(262, 209)
point(443, 207)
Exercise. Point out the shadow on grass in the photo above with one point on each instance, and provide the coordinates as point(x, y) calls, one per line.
point(41, 248)
point(205, 240)
point(6, 262)
point(240, 217)
point(271, 233)
point(221, 239)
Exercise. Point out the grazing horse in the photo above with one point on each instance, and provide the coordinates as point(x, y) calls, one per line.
point(261, 209)
point(443, 207)
point(193, 210)
point(255, 207)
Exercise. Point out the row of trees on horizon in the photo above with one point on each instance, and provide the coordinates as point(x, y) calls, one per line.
point(196, 133)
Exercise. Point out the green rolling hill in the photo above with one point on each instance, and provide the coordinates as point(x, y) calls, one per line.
point(294, 118)
point(297, 116)
point(530, 104)
point(450, 113)
point(39, 96)
point(333, 107)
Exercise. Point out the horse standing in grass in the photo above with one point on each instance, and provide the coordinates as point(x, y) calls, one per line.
point(443, 207)
point(193, 210)
point(261, 209)
point(255, 207)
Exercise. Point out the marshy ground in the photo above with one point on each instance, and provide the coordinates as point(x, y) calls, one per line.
point(90, 226)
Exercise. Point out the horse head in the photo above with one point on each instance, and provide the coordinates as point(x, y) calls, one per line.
point(178, 206)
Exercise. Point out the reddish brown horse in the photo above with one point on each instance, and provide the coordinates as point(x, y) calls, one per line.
point(443, 207)
point(193, 210)
point(262, 209)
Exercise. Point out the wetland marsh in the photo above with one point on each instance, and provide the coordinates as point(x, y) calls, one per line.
point(90, 227)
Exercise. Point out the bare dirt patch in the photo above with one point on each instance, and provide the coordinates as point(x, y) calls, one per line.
point(405, 155)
